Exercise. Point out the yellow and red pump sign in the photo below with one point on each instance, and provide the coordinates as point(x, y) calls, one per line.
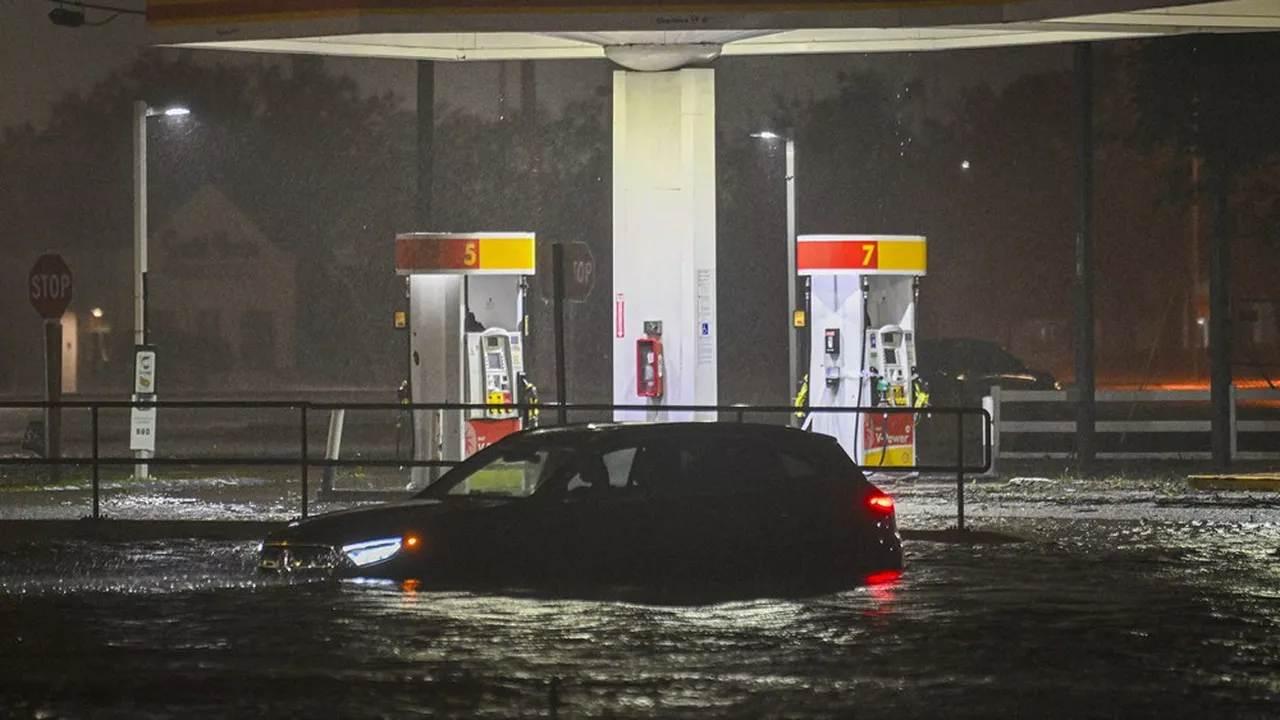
point(862, 254)
point(888, 440)
point(465, 254)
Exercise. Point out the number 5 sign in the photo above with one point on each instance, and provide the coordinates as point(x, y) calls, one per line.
point(465, 254)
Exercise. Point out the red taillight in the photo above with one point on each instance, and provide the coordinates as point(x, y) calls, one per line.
point(880, 503)
point(883, 577)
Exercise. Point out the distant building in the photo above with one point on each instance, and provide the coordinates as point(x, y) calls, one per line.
point(222, 298)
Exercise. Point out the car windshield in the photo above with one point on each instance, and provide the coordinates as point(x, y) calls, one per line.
point(507, 470)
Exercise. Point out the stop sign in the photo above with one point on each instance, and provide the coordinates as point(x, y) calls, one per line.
point(50, 286)
point(579, 272)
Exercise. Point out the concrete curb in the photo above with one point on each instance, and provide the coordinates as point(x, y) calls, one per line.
point(961, 537)
point(1269, 482)
point(17, 531)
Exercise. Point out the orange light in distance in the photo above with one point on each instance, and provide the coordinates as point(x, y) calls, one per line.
point(412, 542)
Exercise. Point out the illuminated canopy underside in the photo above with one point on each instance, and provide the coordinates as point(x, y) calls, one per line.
point(549, 29)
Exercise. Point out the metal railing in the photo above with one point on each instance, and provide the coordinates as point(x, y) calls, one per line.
point(304, 459)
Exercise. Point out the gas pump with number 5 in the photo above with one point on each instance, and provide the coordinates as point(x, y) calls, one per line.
point(467, 324)
point(494, 364)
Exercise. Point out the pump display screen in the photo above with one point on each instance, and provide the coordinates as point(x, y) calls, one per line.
point(890, 356)
point(495, 360)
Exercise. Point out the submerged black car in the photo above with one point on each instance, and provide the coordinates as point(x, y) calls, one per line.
point(637, 505)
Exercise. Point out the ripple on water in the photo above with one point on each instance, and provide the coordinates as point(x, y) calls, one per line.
point(1091, 618)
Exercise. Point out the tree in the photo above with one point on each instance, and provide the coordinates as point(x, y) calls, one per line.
point(323, 169)
point(1214, 94)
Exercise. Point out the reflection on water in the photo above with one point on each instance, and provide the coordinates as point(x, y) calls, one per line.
point(1096, 619)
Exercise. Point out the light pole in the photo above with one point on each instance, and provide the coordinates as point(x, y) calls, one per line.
point(140, 114)
point(790, 170)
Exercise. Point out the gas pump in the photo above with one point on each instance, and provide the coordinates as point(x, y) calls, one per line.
point(862, 293)
point(467, 330)
point(889, 356)
point(495, 362)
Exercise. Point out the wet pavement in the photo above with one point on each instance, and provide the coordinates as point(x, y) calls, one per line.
point(1131, 598)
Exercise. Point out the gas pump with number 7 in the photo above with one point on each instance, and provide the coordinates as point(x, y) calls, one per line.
point(889, 356)
point(863, 291)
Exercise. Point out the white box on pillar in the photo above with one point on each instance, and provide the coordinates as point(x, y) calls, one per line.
point(664, 243)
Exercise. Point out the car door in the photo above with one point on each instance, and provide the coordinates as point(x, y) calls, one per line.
point(595, 518)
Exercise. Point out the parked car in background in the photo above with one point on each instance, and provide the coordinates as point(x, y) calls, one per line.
point(961, 371)
point(667, 505)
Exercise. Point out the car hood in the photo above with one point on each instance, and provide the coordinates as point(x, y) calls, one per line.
point(359, 524)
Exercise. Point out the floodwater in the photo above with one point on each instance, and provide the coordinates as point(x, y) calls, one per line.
point(1099, 614)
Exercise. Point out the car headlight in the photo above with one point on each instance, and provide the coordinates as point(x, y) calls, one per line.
point(371, 551)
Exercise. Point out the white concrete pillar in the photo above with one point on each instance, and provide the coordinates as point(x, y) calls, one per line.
point(664, 235)
point(435, 366)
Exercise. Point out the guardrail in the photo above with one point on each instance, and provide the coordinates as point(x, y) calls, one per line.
point(305, 459)
point(1002, 426)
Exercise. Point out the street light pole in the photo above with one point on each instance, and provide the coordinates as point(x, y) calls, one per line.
point(789, 152)
point(791, 266)
point(140, 243)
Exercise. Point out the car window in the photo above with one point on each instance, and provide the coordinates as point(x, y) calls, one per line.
point(1009, 363)
point(728, 466)
point(514, 476)
point(600, 473)
point(989, 357)
point(503, 470)
point(795, 467)
point(618, 464)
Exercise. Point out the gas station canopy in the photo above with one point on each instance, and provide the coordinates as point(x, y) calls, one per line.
point(649, 35)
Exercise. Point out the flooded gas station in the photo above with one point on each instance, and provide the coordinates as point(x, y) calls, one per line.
point(135, 580)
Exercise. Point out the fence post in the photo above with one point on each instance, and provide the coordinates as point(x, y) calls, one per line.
point(960, 469)
point(991, 404)
point(557, 295)
point(93, 415)
point(302, 454)
point(1231, 424)
point(333, 448)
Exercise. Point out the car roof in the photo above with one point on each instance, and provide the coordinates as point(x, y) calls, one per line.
point(622, 432)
